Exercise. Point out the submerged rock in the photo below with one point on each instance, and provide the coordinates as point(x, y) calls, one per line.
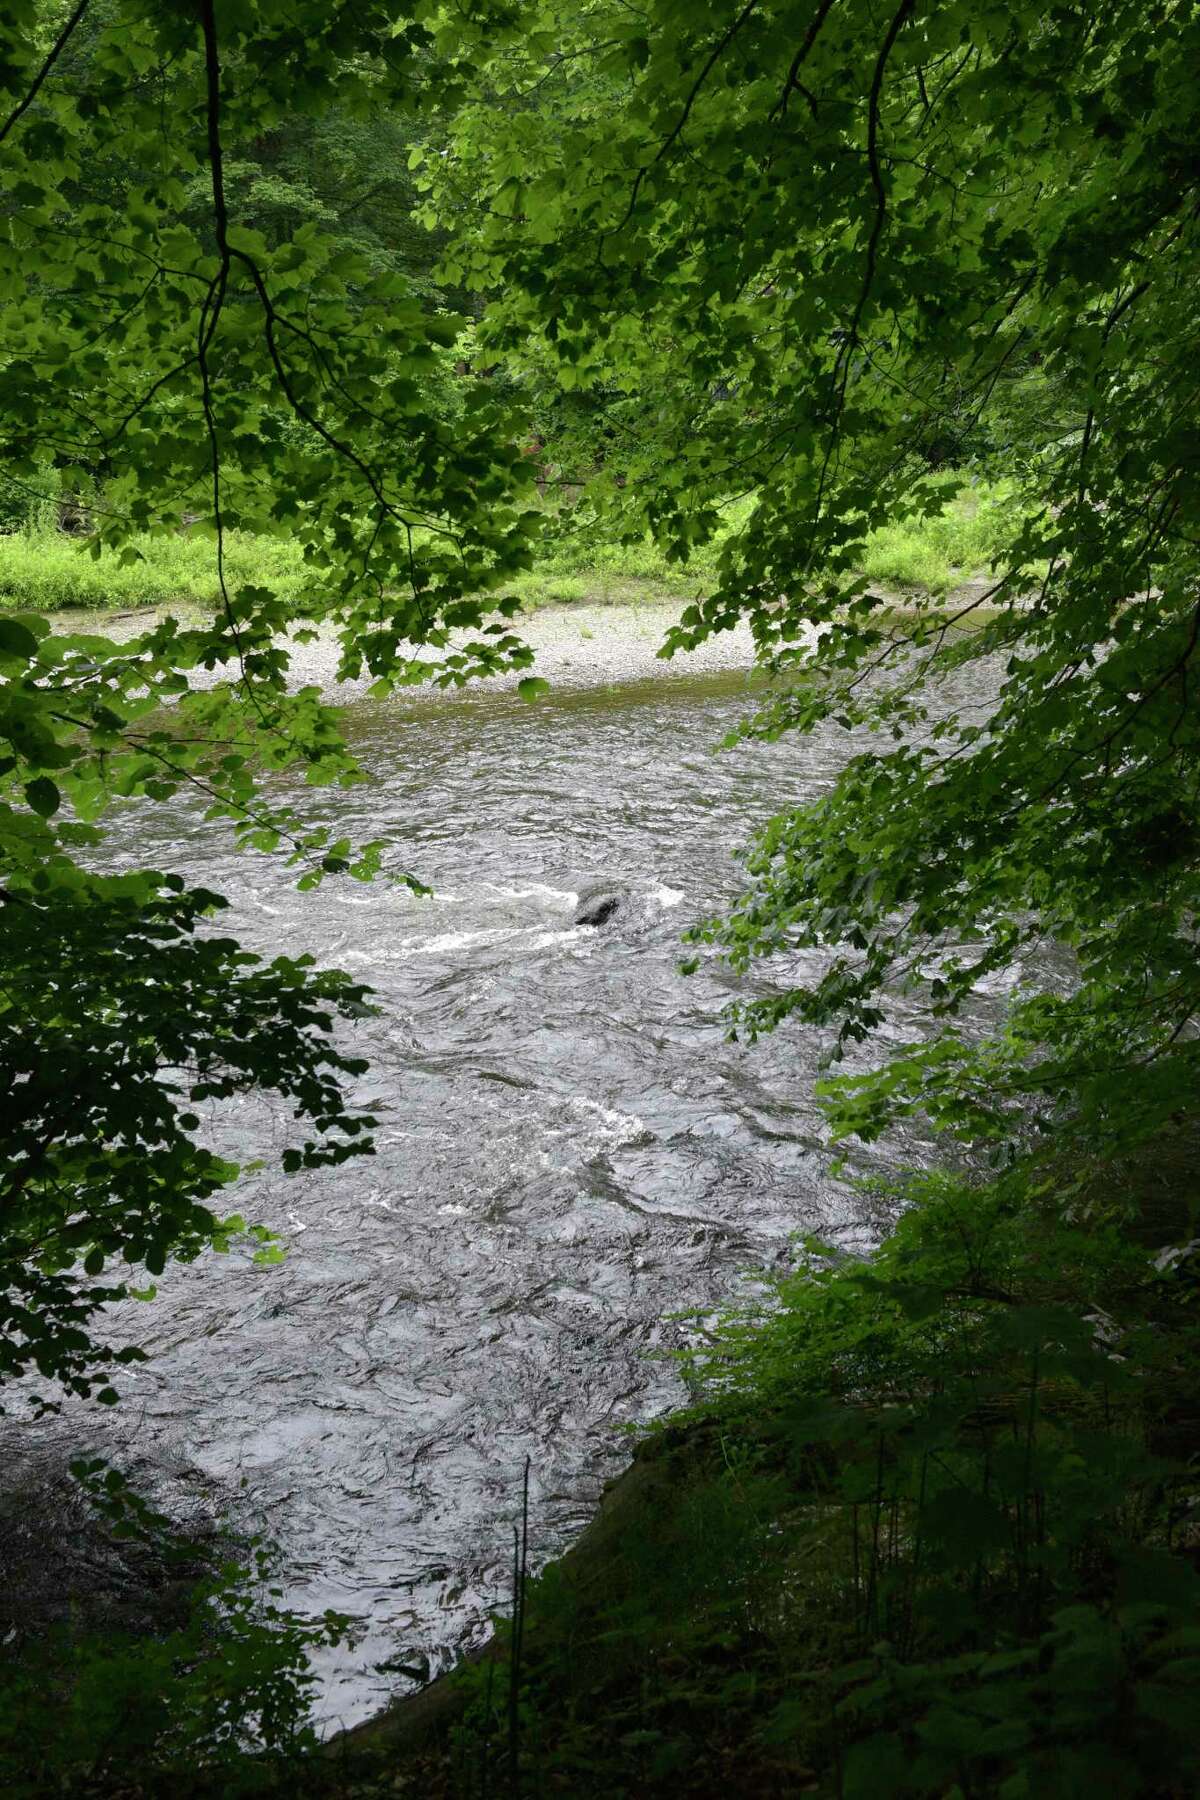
point(597, 907)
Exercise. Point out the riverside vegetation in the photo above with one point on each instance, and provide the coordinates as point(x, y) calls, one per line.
point(350, 288)
point(46, 569)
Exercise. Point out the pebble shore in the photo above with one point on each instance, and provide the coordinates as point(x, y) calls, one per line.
point(583, 644)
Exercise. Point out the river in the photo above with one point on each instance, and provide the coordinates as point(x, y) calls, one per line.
point(570, 1153)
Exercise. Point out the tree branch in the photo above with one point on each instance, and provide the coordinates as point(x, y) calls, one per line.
point(673, 135)
point(792, 84)
point(841, 367)
point(60, 44)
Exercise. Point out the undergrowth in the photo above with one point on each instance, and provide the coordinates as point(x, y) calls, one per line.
point(931, 1530)
point(43, 569)
point(932, 554)
point(938, 554)
point(214, 1699)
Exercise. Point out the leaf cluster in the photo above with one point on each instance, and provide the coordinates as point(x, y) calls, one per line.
point(227, 1683)
point(829, 249)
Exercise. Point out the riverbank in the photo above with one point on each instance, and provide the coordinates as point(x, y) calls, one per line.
point(870, 1564)
point(460, 1733)
point(44, 569)
point(576, 644)
point(580, 644)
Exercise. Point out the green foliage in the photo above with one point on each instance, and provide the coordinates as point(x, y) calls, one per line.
point(231, 1674)
point(991, 1403)
point(939, 552)
point(924, 1533)
point(818, 253)
point(48, 570)
point(933, 554)
point(126, 1020)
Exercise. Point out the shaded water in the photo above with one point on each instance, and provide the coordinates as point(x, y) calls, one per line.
point(569, 1152)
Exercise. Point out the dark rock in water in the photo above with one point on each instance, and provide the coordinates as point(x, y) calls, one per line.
point(597, 908)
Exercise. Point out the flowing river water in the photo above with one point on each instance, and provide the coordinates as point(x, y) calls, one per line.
point(570, 1153)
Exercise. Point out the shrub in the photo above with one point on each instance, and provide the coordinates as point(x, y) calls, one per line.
point(97, 1712)
point(44, 570)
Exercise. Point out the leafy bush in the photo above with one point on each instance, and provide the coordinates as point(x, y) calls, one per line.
point(81, 1711)
point(921, 1535)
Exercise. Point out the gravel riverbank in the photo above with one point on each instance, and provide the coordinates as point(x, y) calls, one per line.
point(581, 645)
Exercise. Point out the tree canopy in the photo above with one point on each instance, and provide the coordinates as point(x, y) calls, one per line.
point(835, 249)
point(188, 359)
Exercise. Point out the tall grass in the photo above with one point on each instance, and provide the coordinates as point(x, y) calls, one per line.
point(940, 553)
point(933, 554)
point(43, 570)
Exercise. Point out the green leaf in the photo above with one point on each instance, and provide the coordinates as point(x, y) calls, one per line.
point(17, 640)
point(43, 796)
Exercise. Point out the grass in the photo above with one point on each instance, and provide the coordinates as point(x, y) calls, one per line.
point(939, 554)
point(933, 555)
point(44, 571)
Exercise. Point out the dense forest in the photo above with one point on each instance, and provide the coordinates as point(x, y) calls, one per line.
point(871, 334)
